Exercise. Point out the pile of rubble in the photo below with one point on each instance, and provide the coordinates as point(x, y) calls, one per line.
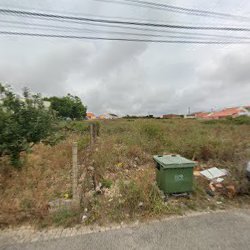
point(217, 181)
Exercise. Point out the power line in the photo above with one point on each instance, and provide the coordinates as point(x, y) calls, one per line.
point(25, 25)
point(143, 29)
point(71, 30)
point(89, 15)
point(178, 9)
point(119, 24)
point(136, 28)
point(120, 39)
point(111, 21)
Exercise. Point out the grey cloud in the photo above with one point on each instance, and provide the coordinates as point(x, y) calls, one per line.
point(49, 72)
point(118, 89)
point(114, 56)
point(230, 69)
point(223, 80)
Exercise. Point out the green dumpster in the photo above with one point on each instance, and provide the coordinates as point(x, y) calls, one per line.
point(174, 174)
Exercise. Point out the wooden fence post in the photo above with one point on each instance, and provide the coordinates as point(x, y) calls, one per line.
point(95, 132)
point(75, 173)
point(91, 134)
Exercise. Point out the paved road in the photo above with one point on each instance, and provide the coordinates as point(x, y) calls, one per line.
point(220, 230)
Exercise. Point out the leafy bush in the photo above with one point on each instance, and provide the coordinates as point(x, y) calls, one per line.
point(24, 122)
point(68, 106)
point(75, 126)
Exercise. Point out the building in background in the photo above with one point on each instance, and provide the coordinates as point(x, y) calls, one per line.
point(108, 116)
point(229, 112)
point(90, 116)
point(201, 115)
point(189, 116)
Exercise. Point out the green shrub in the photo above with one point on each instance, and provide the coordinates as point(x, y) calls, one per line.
point(132, 194)
point(142, 191)
point(77, 126)
point(106, 183)
point(83, 142)
point(66, 217)
point(242, 120)
point(23, 123)
point(151, 131)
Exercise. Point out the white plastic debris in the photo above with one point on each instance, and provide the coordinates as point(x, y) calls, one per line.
point(218, 180)
point(214, 173)
point(84, 217)
point(140, 204)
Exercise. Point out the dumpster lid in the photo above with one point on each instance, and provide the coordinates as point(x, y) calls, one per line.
point(168, 161)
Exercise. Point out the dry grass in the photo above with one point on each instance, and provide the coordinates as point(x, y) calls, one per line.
point(124, 156)
point(44, 176)
point(122, 163)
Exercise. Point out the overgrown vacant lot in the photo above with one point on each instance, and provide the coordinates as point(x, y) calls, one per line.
point(117, 173)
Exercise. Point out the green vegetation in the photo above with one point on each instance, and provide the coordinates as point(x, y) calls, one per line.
point(68, 107)
point(24, 122)
point(117, 173)
point(106, 183)
point(241, 120)
point(65, 217)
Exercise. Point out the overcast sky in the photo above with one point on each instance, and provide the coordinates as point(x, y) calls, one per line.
point(126, 77)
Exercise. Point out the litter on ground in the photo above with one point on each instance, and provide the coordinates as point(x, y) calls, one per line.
point(216, 182)
point(214, 173)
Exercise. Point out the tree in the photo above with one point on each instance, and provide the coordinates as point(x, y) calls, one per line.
point(24, 122)
point(68, 106)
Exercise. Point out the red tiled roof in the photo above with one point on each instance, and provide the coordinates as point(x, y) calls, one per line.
point(225, 113)
point(201, 114)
